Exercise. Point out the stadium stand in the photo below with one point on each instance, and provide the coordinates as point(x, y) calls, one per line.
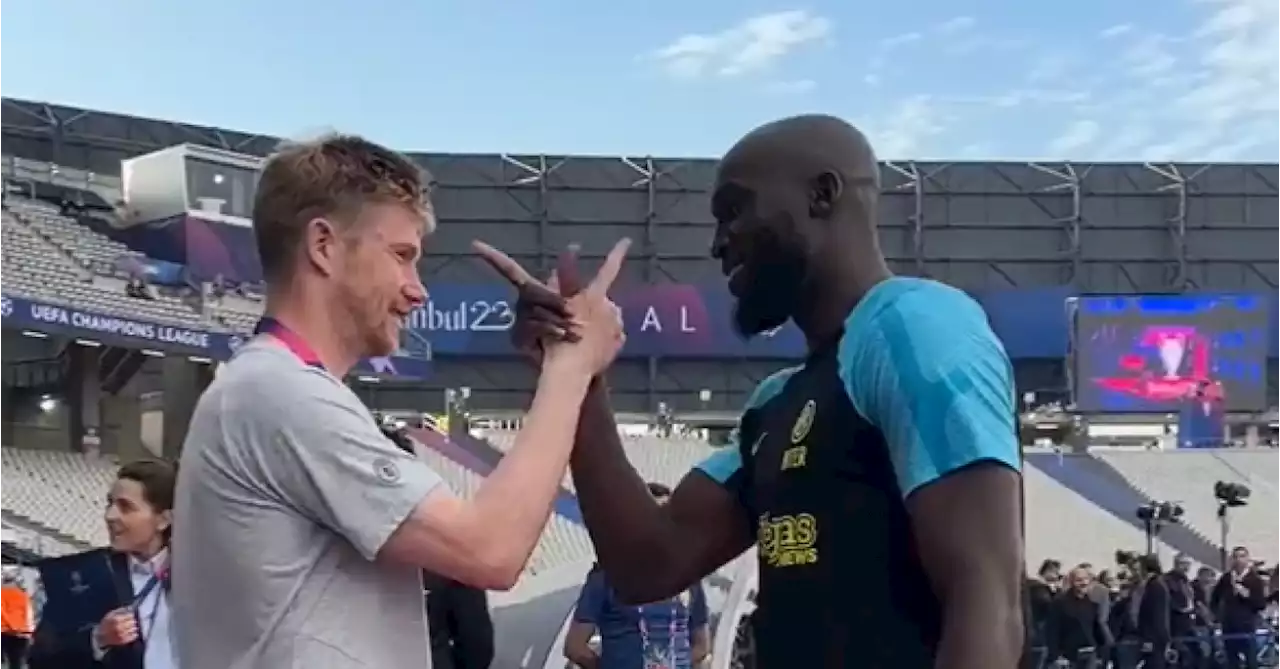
point(1067, 526)
point(1187, 477)
point(60, 492)
point(41, 262)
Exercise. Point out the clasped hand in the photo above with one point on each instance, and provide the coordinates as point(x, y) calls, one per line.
point(560, 322)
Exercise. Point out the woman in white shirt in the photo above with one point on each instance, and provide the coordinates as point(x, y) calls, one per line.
point(139, 519)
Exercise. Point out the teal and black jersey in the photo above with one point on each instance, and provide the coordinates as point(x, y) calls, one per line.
point(916, 387)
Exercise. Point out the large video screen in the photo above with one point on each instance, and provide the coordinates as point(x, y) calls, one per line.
point(1156, 353)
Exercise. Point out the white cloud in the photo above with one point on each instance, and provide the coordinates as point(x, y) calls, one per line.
point(1115, 31)
point(1235, 83)
point(791, 87)
point(906, 130)
point(955, 25)
point(1148, 57)
point(1077, 136)
point(900, 40)
point(1191, 86)
point(751, 46)
point(1051, 67)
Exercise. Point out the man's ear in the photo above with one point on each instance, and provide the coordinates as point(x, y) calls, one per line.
point(824, 191)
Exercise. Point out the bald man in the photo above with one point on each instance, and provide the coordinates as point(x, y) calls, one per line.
point(880, 478)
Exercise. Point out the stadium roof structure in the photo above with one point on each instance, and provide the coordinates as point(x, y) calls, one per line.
point(1109, 227)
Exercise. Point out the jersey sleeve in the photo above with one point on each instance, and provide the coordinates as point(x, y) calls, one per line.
point(926, 369)
point(724, 465)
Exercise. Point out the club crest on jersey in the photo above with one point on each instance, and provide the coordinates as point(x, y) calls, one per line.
point(804, 422)
point(386, 471)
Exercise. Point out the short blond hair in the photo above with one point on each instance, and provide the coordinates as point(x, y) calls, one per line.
point(335, 177)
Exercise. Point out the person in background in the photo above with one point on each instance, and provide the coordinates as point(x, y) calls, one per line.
point(1151, 602)
point(1238, 600)
point(1108, 581)
point(671, 634)
point(1202, 589)
point(15, 622)
point(1098, 592)
point(1076, 631)
point(461, 628)
point(139, 518)
point(1041, 591)
point(1182, 608)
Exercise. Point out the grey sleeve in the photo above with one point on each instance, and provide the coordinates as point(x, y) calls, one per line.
point(338, 468)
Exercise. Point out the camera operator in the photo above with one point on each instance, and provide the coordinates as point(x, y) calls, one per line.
point(1076, 631)
point(1153, 608)
point(1238, 600)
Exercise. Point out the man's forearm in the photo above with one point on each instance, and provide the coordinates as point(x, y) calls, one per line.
point(515, 499)
point(625, 523)
point(981, 629)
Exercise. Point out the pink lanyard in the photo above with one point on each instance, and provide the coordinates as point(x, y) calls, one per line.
point(291, 340)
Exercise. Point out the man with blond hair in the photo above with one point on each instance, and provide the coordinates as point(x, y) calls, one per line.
point(301, 530)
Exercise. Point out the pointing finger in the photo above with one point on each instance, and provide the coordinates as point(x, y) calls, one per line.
point(535, 293)
point(611, 267)
point(567, 272)
point(503, 263)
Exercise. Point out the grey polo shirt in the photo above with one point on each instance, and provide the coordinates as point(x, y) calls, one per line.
point(286, 492)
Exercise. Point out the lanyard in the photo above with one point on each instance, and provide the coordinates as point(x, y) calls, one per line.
point(654, 658)
point(141, 597)
point(291, 340)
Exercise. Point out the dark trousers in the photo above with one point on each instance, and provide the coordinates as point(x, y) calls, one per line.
point(14, 649)
point(1241, 650)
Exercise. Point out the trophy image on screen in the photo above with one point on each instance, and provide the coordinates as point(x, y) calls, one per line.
point(1172, 347)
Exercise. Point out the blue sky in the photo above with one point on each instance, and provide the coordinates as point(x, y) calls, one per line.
point(997, 79)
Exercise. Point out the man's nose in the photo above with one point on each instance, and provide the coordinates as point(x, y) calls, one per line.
point(416, 291)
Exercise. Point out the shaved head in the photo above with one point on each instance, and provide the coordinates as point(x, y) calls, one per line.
point(810, 144)
point(795, 206)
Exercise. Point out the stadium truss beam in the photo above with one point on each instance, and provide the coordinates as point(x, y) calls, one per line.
point(66, 126)
point(1179, 278)
point(915, 184)
point(1071, 222)
point(536, 175)
point(649, 174)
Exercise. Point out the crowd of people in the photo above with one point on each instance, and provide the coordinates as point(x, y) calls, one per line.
point(1137, 612)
